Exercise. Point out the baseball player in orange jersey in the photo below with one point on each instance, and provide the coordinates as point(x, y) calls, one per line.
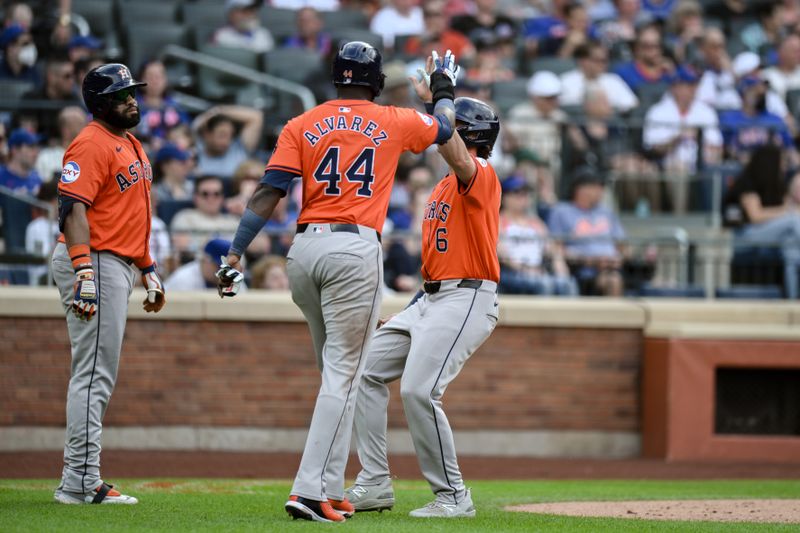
point(104, 214)
point(346, 151)
point(428, 343)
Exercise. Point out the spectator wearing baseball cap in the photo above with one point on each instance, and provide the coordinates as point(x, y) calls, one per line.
point(754, 125)
point(535, 125)
point(19, 174)
point(83, 47)
point(19, 55)
point(172, 168)
point(199, 275)
point(590, 234)
point(674, 129)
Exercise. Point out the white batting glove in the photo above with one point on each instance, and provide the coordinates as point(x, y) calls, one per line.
point(446, 65)
point(155, 290)
point(230, 279)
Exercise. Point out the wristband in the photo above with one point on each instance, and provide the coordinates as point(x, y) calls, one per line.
point(442, 87)
point(81, 257)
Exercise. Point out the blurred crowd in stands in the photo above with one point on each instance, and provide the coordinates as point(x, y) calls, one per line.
point(607, 107)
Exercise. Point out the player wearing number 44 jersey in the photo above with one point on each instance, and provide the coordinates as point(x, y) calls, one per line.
point(104, 212)
point(427, 344)
point(346, 152)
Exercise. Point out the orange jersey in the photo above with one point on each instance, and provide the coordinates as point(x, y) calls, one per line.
point(347, 153)
point(460, 226)
point(112, 176)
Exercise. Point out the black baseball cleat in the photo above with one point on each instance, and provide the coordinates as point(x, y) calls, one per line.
point(307, 509)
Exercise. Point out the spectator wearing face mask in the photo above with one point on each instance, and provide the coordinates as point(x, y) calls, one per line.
point(244, 29)
point(19, 55)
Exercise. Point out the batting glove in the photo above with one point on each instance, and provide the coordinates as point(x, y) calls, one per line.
point(155, 290)
point(84, 303)
point(446, 65)
point(230, 279)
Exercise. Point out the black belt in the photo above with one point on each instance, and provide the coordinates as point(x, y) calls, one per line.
point(432, 287)
point(122, 258)
point(348, 228)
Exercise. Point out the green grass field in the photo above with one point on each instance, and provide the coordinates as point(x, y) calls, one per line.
point(230, 505)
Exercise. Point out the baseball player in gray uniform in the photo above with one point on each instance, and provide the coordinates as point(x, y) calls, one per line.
point(346, 151)
point(104, 214)
point(428, 343)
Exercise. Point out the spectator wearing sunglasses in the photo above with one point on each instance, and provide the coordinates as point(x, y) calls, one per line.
point(193, 227)
point(60, 90)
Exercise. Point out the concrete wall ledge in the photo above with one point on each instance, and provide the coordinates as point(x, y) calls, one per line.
point(656, 316)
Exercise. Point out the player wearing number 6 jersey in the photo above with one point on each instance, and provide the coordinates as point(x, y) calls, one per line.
point(428, 343)
point(346, 152)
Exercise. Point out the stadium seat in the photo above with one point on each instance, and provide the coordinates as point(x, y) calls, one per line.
point(293, 64)
point(557, 65)
point(16, 217)
point(355, 34)
point(281, 23)
point(168, 208)
point(344, 18)
point(757, 265)
point(213, 84)
point(11, 91)
point(98, 13)
point(793, 102)
point(204, 13)
point(751, 292)
point(155, 11)
point(507, 94)
point(687, 291)
point(145, 42)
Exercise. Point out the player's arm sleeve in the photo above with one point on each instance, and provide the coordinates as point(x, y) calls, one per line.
point(84, 172)
point(445, 128)
point(286, 160)
point(420, 130)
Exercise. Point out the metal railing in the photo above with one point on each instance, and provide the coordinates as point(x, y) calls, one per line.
point(181, 53)
point(19, 257)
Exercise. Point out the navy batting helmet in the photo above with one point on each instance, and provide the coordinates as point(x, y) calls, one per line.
point(359, 63)
point(479, 123)
point(101, 82)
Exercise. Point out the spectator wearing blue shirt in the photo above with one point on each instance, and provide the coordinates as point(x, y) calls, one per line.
point(659, 9)
point(649, 66)
point(753, 126)
point(537, 30)
point(578, 30)
point(589, 234)
point(19, 55)
point(19, 174)
point(310, 35)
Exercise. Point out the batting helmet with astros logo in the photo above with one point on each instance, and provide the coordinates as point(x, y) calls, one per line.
point(359, 63)
point(102, 82)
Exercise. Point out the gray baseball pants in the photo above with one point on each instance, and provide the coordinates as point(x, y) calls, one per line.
point(336, 280)
point(426, 346)
point(96, 348)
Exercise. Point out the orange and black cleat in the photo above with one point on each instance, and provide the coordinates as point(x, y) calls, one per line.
point(307, 509)
point(343, 507)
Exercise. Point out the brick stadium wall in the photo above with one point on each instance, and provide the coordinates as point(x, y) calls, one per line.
point(263, 374)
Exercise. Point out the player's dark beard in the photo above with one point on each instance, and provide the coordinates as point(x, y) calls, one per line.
point(123, 122)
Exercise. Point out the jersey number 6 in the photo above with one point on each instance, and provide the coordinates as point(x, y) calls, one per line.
point(360, 171)
point(441, 240)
